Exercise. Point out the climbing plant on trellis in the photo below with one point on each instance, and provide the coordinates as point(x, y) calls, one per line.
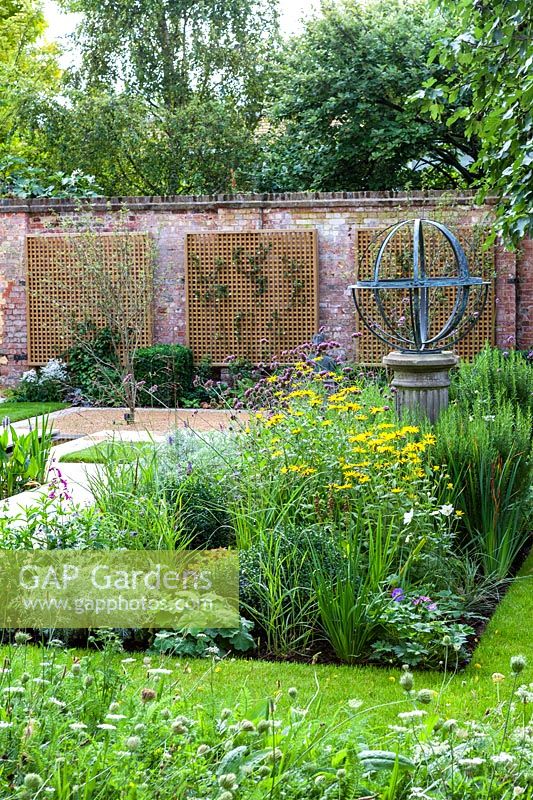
point(251, 294)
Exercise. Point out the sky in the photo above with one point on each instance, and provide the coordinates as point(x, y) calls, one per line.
point(61, 24)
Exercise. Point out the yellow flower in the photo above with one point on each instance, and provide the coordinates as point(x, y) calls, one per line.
point(272, 379)
point(296, 431)
point(341, 486)
point(326, 422)
point(364, 479)
point(436, 468)
point(277, 453)
point(361, 417)
point(377, 409)
point(284, 470)
point(449, 485)
point(360, 437)
point(274, 419)
point(459, 513)
point(396, 491)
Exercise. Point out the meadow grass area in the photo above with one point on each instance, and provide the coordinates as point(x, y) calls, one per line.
point(466, 694)
point(124, 452)
point(18, 411)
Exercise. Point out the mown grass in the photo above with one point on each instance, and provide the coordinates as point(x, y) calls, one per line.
point(465, 695)
point(18, 411)
point(100, 453)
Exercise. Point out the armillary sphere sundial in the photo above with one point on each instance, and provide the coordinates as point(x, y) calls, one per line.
point(404, 306)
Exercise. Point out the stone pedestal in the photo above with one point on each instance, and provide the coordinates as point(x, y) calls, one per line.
point(421, 381)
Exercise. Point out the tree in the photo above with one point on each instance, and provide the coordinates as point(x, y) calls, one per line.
point(489, 43)
point(28, 69)
point(341, 117)
point(167, 97)
point(112, 269)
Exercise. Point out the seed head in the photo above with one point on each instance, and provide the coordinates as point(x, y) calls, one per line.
point(32, 782)
point(147, 695)
point(228, 780)
point(407, 681)
point(133, 742)
point(424, 696)
point(518, 664)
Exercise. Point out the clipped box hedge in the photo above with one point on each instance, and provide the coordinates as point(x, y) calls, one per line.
point(167, 371)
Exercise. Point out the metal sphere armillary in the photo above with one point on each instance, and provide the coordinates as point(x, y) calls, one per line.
point(406, 289)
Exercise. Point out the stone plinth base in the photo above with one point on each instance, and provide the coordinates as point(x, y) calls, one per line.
point(421, 381)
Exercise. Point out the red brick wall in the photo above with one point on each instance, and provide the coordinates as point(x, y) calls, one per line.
point(334, 215)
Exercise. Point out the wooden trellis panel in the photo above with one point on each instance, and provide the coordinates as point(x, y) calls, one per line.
point(250, 294)
point(439, 257)
point(60, 293)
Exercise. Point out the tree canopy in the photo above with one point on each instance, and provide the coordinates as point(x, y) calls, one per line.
point(489, 44)
point(28, 69)
point(167, 96)
point(341, 113)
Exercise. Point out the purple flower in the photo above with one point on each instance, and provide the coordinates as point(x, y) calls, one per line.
point(421, 599)
point(397, 595)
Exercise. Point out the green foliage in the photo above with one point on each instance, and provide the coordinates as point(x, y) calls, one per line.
point(277, 589)
point(93, 353)
point(421, 631)
point(28, 69)
point(488, 457)
point(18, 178)
point(196, 643)
point(489, 47)
point(277, 736)
point(192, 79)
point(166, 371)
point(23, 458)
point(201, 508)
point(493, 378)
point(341, 118)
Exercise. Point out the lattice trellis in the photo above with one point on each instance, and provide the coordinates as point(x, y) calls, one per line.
point(370, 350)
point(250, 294)
point(60, 292)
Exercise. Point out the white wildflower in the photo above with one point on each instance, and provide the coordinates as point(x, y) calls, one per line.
point(77, 726)
point(502, 758)
point(416, 713)
point(105, 726)
point(408, 516)
point(446, 510)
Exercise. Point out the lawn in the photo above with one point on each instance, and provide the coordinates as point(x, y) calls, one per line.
point(18, 411)
point(467, 694)
point(124, 452)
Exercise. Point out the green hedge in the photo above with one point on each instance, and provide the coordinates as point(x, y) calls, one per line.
point(169, 368)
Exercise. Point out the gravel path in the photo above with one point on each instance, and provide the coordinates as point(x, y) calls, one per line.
point(92, 420)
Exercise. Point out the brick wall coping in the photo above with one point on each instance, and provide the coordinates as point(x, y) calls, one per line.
point(316, 200)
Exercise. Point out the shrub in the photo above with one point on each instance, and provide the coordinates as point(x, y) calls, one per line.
point(88, 363)
point(492, 378)
point(46, 385)
point(166, 373)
